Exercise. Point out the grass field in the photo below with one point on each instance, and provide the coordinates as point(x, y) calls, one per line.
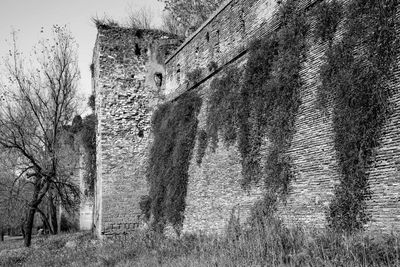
point(271, 245)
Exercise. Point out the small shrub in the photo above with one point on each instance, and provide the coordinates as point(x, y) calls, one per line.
point(194, 76)
point(263, 210)
point(212, 66)
point(76, 125)
point(92, 102)
point(67, 225)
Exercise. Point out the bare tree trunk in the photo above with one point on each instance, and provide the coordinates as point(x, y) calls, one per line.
point(29, 226)
point(36, 200)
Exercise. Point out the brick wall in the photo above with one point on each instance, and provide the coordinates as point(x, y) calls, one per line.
point(384, 179)
point(214, 193)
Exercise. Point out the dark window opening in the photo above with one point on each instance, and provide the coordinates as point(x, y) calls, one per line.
point(140, 133)
point(178, 73)
point(137, 50)
point(158, 79)
point(139, 33)
point(217, 42)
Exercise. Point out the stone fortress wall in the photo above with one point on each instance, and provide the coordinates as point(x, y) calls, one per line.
point(127, 69)
point(214, 192)
point(74, 161)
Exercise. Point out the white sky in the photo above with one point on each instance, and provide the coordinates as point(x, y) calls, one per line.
point(29, 16)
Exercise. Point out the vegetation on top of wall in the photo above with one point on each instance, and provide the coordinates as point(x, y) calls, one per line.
point(354, 84)
point(174, 125)
point(104, 22)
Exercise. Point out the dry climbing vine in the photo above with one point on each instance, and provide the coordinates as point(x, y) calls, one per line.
point(267, 102)
point(354, 83)
point(174, 125)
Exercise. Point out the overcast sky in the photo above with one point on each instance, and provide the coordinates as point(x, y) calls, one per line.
point(29, 16)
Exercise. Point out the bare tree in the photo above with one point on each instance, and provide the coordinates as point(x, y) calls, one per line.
point(40, 103)
point(141, 18)
point(171, 25)
point(191, 13)
point(104, 21)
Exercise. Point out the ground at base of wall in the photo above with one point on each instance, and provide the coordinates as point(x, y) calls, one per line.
point(268, 245)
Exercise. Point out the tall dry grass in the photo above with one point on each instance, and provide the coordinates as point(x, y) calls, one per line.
point(267, 243)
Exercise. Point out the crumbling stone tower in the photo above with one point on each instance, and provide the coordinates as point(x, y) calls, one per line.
point(127, 82)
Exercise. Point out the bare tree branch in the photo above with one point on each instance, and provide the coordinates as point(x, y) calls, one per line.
point(41, 102)
point(191, 13)
point(141, 18)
